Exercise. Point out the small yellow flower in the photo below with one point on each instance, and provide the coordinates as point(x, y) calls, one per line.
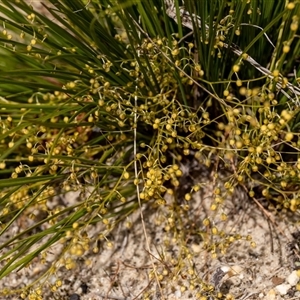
point(187, 197)
point(235, 68)
point(290, 5)
point(226, 93)
point(289, 136)
point(286, 49)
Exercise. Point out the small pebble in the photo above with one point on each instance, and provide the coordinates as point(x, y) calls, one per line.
point(74, 297)
point(196, 248)
point(293, 278)
point(225, 269)
point(84, 288)
point(282, 289)
point(177, 294)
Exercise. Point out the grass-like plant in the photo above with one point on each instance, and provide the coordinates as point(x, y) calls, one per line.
point(110, 98)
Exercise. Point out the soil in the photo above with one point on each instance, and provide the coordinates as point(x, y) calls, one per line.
point(172, 245)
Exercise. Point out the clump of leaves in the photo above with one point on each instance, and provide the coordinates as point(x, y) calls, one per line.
point(101, 99)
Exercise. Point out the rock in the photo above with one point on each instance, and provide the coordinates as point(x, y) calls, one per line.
point(196, 248)
point(74, 297)
point(282, 289)
point(277, 280)
point(293, 278)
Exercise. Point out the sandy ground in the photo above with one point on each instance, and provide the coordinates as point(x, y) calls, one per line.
point(175, 249)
